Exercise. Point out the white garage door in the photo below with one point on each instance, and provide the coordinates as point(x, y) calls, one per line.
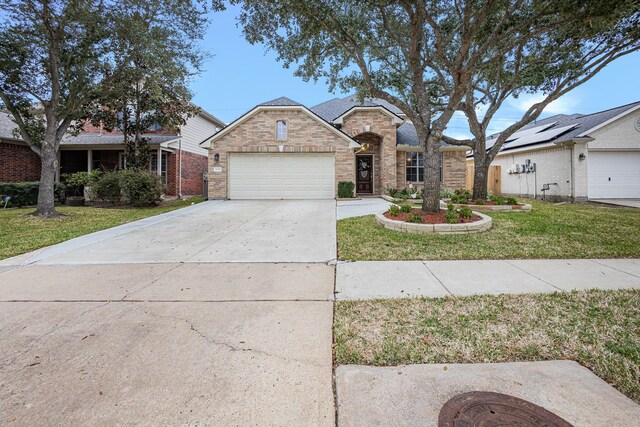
point(282, 176)
point(614, 175)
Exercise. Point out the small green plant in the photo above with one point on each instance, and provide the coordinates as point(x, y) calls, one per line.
point(405, 208)
point(392, 192)
point(452, 217)
point(512, 201)
point(450, 207)
point(414, 218)
point(479, 202)
point(346, 189)
point(465, 212)
point(460, 196)
point(394, 210)
point(445, 193)
point(498, 200)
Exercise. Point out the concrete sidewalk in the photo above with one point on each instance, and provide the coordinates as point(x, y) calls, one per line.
point(432, 279)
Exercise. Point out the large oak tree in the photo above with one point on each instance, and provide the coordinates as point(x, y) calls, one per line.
point(421, 56)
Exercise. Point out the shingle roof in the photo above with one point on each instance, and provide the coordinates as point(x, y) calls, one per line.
point(573, 125)
point(6, 126)
point(111, 139)
point(283, 101)
point(334, 108)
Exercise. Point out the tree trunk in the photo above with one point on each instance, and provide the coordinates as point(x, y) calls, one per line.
point(46, 196)
point(431, 196)
point(480, 176)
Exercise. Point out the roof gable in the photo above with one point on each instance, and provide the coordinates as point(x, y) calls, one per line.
point(208, 142)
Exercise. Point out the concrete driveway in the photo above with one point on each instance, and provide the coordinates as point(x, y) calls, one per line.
point(219, 316)
point(216, 231)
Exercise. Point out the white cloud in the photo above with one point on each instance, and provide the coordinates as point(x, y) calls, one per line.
point(564, 105)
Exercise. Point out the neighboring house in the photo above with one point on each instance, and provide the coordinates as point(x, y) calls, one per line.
point(177, 158)
point(574, 157)
point(284, 150)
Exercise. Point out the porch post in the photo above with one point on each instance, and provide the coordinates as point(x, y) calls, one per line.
point(159, 165)
point(89, 160)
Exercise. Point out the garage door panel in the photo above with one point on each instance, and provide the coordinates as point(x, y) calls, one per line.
point(281, 176)
point(614, 175)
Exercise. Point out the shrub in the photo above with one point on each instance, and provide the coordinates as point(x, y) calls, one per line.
point(452, 217)
point(26, 193)
point(445, 193)
point(498, 200)
point(346, 189)
point(141, 188)
point(108, 188)
point(460, 196)
point(512, 201)
point(465, 212)
point(414, 218)
point(76, 182)
point(392, 192)
point(405, 208)
point(394, 210)
point(479, 202)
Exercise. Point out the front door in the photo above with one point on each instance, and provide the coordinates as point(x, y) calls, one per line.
point(364, 177)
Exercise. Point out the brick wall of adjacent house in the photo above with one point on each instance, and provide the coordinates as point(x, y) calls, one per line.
point(18, 163)
point(381, 124)
point(257, 135)
point(193, 167)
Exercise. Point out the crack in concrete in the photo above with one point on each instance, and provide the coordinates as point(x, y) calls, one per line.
point(126, 292)
point(231, 347)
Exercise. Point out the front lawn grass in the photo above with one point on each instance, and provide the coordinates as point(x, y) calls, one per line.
point(21, 232)
point(549, 231)
point(598, 329)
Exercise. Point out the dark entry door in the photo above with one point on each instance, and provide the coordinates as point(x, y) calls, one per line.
point(364, 177)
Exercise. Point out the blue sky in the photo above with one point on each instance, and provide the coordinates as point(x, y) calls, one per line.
point(240, 75)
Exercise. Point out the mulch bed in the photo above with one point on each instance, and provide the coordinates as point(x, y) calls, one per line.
point(487, 203)
point(433, 218)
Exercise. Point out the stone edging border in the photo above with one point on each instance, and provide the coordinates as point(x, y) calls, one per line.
point(416, 228)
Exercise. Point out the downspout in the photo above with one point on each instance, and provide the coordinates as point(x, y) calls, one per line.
point(180, 168)
point(573, 181)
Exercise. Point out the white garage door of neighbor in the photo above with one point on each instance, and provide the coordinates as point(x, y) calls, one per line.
point(282, 176)
point(614, 175)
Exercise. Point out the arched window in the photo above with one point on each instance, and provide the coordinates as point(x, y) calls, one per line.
point(281, 130)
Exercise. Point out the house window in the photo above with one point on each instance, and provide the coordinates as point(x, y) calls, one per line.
point(415, 167)
point(153, 166)
point(281, 130)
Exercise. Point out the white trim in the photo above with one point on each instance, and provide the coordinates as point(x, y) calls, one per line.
point(207, 143)
point(395, 118)
point(611, 120)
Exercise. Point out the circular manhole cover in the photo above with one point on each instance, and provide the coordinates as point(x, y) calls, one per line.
point(486, 409)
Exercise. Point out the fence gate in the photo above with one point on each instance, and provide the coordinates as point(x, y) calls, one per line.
point(494, 180)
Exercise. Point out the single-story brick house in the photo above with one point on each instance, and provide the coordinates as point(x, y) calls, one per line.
point(176, 157)
point(283, 150)
point(574, 157)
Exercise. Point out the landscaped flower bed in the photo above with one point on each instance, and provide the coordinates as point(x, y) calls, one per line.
point(450, 221)
point(462, 199)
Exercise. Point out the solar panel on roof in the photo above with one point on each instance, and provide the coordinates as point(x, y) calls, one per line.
point(544, 136)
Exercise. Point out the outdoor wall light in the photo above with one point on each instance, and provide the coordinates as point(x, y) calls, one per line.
point(582, 156)
point(216, 157)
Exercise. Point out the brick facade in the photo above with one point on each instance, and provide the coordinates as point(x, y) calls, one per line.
point(257, 135)
point(376, 129)
point(369, 121)
point(454, 169)
point(18, 163)
point(193, 167)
